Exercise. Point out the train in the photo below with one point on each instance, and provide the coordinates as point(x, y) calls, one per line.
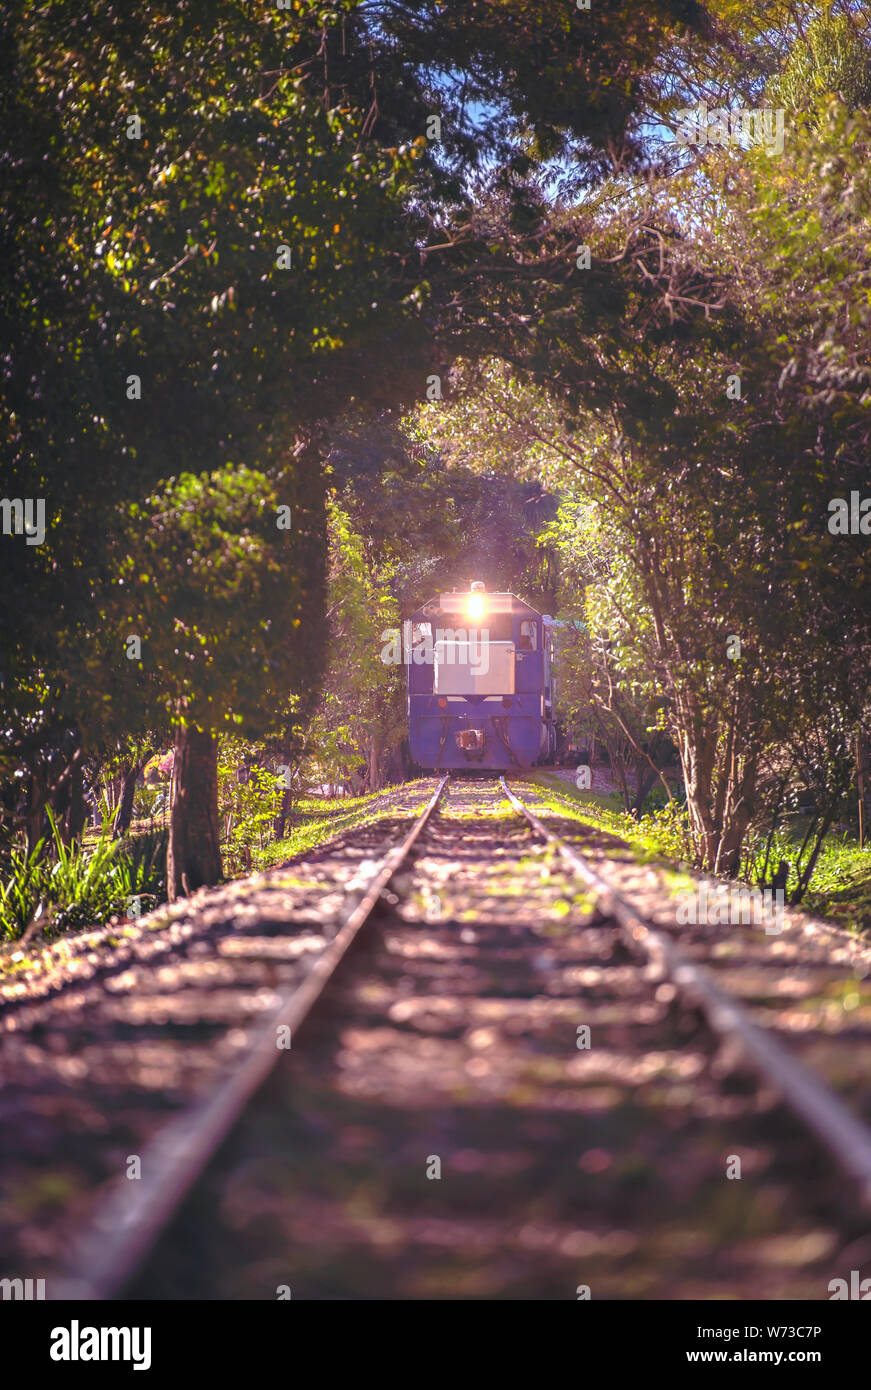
point(480, 683)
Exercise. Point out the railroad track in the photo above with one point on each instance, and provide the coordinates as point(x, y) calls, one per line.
point(814, 1103)
point(579, 904)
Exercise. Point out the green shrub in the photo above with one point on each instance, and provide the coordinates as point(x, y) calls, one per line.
point(22, 888)
point(668, 828)
point(247, 807)
point(150, 800)
point(81, 887)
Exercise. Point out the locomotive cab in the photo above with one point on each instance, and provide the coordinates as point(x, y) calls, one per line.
point(479, 682)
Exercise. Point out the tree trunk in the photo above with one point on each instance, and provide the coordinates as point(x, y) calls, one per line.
point(374, 761)
point(194, 858)
point(396, 766)
point(76, 808)
point(697, 752)
point(35, 821)
point(284, 813)
point(124, 813)
point(737, 814)
point(644, 780)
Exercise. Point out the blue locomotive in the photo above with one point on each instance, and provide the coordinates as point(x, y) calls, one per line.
point(480, 691)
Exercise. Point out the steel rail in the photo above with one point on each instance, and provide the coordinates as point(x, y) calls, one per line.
point(822, 1112)
point(135, 1214)
point(807, 924)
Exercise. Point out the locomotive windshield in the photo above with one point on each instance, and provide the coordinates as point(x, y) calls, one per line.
point(498, 626)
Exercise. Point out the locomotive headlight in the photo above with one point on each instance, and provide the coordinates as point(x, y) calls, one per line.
point(475, 607)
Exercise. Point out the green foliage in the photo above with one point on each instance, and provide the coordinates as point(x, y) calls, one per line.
point(150, 801)
point(318, 819)
point(140, 867)
point(839, 883)
point(249, 798)
point(361, 708)
point(335, 748)
point(363, 694)
point(686, 518)
point(203, 573)
point(21, 888)
point(668, 829)
point(82, 886)
point(690, 519)
point(157, 257)
point(840, 887)
point(831, 58)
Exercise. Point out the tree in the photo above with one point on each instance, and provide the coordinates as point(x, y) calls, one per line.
point(211, 242)
point(215, 592)
point(152, 327)
point(363, 695)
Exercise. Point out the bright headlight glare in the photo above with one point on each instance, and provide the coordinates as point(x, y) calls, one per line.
point(475, 607)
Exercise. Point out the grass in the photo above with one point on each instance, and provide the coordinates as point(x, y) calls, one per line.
point(85, 884)
point(840, 888)
point(602, 810)
point(88, 884)
point(79, 885)
point(841, 885)
point(320, 819)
